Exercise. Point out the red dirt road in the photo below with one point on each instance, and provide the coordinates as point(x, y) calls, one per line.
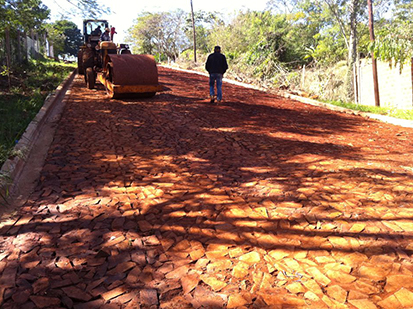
point(171, 202)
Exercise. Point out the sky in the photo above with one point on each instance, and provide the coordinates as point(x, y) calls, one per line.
point(124, 12)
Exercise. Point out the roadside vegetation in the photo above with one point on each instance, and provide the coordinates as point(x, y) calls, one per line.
point(391, 112)
point(27, 76)
point(31, 84)
point(321, 40)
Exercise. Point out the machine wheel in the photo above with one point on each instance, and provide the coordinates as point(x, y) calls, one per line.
point(80, 68)
point(90, 78)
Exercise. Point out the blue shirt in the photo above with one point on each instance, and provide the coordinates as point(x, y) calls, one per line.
point(105, 36)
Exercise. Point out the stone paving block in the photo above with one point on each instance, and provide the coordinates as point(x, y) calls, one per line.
point(149, 297)
point(311, 296)
point(295, 288)
point(213, 282)
point(250, 258)
point(356, 295)
point(279, 254)
point(340, 276)
point(8, 277)
point(405, 297)
point(41, 284)
point(314, 287)
point(20, 297)
point(94, 304)
point(236, 301)
point(189, 282)
point(77, 293)
point(121, 268)
point(204, 297)
point(178, 272)
point(240, 270)
point(113, 293)
point(318, 276)
point(362, 304)
point(43, 301)
point(390, 302)
point(396, 282)
point(373, 272)
point(337, 292)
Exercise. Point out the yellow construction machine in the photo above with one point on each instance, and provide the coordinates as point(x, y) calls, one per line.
point(114, 66)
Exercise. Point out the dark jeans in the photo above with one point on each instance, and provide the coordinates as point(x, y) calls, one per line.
point(218, 78)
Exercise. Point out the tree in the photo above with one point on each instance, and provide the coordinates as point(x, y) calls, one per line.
point(22, 15)
point(161, 33)
point(193, 30)
point(71, 35)
point(19, 16)
point(266, 42)
point(56, 39)
point(85, 8)
point(204, 23)
point(394, 39)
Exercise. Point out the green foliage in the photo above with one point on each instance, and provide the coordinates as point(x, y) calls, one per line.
point(330, 48)
point(394, 42)
point(269, 43)
point(23, 15)
point(159, 33)
point(65, 36)
point(204, 22)
point(391, 112)
point(19, 106)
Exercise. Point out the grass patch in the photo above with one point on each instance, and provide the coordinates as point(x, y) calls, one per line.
point(392, 112)
point(19, 104)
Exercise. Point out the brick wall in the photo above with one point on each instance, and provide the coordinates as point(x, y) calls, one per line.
point(395, 88)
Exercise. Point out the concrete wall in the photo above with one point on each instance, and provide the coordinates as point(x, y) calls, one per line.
point(395, 88)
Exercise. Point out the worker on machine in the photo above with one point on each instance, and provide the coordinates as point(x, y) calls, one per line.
point(97, 31)
point(105, 35)
point(112, 32)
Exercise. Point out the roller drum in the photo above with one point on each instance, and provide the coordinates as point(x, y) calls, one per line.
point(134, 70)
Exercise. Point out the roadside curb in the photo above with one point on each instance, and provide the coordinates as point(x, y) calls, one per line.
point(387, 119)
point(12, 169)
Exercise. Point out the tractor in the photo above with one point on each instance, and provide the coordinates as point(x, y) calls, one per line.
point(114, 66)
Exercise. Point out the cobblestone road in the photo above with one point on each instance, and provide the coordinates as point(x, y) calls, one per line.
point(172, 202)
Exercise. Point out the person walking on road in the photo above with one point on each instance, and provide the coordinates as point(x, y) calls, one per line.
point(216, 66)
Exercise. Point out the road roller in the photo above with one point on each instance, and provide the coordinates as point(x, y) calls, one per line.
point(122, 73)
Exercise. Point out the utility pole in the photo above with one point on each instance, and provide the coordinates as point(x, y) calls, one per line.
point(193, 29)
point(411, 64)
point(374, 60)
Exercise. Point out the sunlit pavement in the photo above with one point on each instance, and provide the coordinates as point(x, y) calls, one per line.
point(172, 202)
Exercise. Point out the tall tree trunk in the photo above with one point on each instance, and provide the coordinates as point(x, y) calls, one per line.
point(19, 48)
point(193, 29)
point(373, 58)
point(352, 48)
point(8, 56)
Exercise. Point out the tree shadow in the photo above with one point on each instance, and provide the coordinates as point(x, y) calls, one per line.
point(137, 195)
